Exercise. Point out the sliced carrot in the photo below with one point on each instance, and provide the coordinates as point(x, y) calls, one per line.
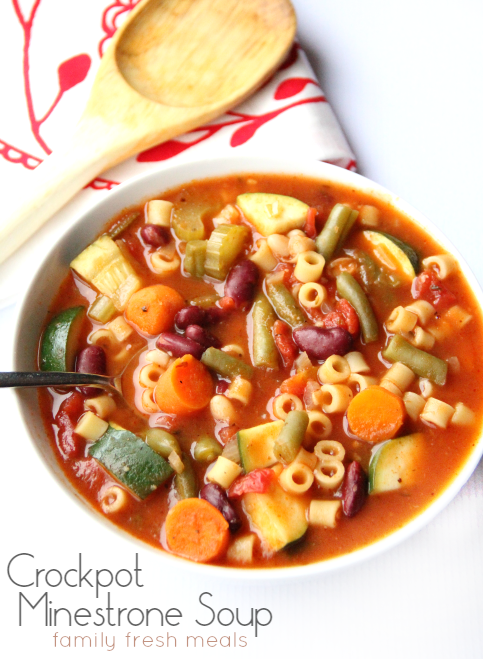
point(375, 414)
point(152, 309)
point(227, 303)
point(297, 383)
point(197, 530)
point(186, 387)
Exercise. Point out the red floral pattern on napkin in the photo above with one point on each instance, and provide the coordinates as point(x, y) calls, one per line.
point(52, 49)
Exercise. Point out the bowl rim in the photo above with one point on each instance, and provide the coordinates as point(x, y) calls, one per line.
point(212, 168)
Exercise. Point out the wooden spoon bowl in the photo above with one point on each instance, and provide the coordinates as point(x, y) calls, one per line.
point(172, 66)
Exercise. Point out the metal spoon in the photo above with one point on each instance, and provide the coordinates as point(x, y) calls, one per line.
point(172, 66)
point(60, 379)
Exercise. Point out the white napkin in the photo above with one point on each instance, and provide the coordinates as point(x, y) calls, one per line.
point(53, 49)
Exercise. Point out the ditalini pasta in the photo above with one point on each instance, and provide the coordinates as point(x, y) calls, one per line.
point(290, 355)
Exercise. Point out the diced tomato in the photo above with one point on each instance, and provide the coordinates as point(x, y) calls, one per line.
point(309, 226)
point(350, 315)
point(297, 383)
point(288, 277)
point(282, 335)
point(70, 444)
point(73, 405)
point(258, 481)
point(226, 433)
point(427, 286)
point(344, 316)
point(334, 319)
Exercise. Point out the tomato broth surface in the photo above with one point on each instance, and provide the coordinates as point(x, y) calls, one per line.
point(343, 482)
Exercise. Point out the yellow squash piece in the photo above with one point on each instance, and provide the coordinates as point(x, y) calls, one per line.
point(272, 213)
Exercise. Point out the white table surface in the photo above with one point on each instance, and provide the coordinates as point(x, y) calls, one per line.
point(406, 82)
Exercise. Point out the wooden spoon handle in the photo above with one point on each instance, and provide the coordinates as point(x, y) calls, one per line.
point(56, 181)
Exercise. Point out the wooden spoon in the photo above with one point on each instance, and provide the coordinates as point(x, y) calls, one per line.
point(172, 66)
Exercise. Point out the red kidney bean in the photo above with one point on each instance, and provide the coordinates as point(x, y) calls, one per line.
point(215, 495)
point(215, 314)
point(241, 282)
point(178, 346)
point(202, 336)
point(354, 489)
point(91, 360)
point(321, 343)
point(155, 235)
point(192, 315)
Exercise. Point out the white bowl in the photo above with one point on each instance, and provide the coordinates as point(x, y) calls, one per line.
point(47, 277)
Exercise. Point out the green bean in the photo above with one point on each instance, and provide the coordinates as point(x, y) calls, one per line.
point(265, 353)
point(207, 449)
point(336, 230)
point(349, 288)
point(419, 361)
point(186, 483)
point(284, 304)
point(194, 259)
point(288, 443)
point(161, 441)
point(123, 224)
point(226, 365)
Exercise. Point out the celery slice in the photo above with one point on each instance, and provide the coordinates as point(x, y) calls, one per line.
point(188, 224)
point(102, 309)
point(121, 296)
point(194, 260)
point(225, 244)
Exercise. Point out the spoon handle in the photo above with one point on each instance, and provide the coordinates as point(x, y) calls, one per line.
point(53, 183)
point(52, 379)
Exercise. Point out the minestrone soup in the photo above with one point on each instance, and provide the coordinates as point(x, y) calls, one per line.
point(301, 368)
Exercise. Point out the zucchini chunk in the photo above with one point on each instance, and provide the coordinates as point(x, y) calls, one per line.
point(61, 339)
point(391, 250)
point(272, 213)
point(256, 445)
point(278, 517)
point(107, 268)
point(394, 464)
point(131, 461)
